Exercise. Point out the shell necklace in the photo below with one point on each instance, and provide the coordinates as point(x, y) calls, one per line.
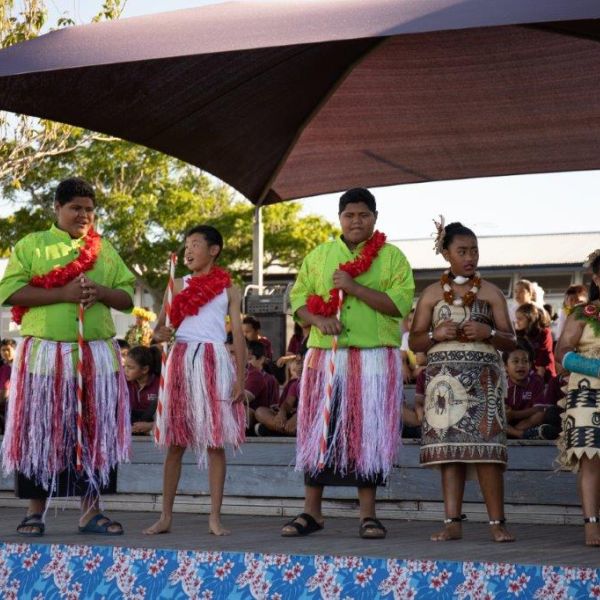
point(469, 297)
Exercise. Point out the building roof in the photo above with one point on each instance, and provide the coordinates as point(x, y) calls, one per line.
point(510, 250)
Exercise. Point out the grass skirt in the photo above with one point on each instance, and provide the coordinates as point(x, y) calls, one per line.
point(364, 430)
point(198, 412)
point(41, 433)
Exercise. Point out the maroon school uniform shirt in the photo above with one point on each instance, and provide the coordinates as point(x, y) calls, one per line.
point(544, 352)
point(267, 345)
point(141, 400)
point(291, 390)
point(262, 386)
point(526, 395)
point(4, 379)
point(295, 344)
point(554, 389)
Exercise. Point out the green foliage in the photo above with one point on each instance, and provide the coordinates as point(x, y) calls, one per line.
point(147, 200)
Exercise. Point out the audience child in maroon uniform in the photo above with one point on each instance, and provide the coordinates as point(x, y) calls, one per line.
point(281, 418)
point(251, 329)
point(525, 393)
point(7, 354)
point(142, 370)
point(261, 388)
point(532, 323)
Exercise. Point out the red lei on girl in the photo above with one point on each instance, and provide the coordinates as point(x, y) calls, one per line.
point(200, 290)
point(60, 276)
point(361, 264)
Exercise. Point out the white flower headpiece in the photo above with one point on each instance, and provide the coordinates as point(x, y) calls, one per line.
point(438, 244)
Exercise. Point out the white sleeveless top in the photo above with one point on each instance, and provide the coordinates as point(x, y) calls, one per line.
point(208, 325)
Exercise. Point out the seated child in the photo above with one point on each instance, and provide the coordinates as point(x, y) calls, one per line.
point(261, 389)
point(532, 324)
point(413, 417)
point(281, 419)
point(525, 395)
point(142, 371)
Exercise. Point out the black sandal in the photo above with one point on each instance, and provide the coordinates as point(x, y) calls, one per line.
point(301, 530)
point(371, 529)
point(36, 521)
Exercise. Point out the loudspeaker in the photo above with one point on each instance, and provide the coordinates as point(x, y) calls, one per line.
point(279, 328)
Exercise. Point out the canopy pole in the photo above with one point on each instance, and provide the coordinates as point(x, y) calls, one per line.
point(257, 248)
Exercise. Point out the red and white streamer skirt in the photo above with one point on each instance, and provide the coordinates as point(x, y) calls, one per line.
point(365, 425)
point(41, 426)
point(198, 412)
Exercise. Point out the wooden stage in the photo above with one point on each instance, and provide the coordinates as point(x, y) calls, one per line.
point(536, 544)
point(548, 559)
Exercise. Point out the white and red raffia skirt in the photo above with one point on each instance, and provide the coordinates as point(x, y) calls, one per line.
point(364, 429)
point(41, 426)
point(198, 412)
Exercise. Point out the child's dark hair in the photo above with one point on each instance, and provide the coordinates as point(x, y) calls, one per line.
point(146, 356)
point(577, 290)
point(551, 312)
point(452, 230)
point(357, 195)
point(256, 349)
point(594, 291)
point(211, 234)
point(524, 345)
point(73, 188)
point(8, 342)
point(252, 321)
point(123, 343)
point(537, 318)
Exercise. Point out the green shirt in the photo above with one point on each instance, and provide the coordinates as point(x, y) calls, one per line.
point(37, 254)
point(363, 326)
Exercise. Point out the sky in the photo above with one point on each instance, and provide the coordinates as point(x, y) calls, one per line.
point(546, 203)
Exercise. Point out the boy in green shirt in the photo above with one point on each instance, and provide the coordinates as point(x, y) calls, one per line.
point(363, 413)
point(49, 274)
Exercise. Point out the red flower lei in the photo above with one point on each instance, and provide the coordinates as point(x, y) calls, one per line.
point(361, 264)
point(60, 276)
point(200, 290)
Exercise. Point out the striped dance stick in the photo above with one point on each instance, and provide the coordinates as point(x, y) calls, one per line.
point(80, 342)
point(329, 391)
point(164, 351)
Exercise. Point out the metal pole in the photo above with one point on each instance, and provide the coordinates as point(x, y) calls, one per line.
point(257, 249)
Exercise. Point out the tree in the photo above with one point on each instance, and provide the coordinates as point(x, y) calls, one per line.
point(24, 141)
point(147, 200)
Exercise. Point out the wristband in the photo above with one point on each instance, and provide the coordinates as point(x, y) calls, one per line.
point(430, 336)
point(577, 363)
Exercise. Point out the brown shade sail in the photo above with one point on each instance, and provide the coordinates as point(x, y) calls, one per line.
point(287, 100)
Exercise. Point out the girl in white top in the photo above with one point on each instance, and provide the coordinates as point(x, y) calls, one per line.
point(202, 405)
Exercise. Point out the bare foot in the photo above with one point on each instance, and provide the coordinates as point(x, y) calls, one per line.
point(501, 534)
point(163, 525)
point(592, 534)
point(451, 531)
point(215, 527)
